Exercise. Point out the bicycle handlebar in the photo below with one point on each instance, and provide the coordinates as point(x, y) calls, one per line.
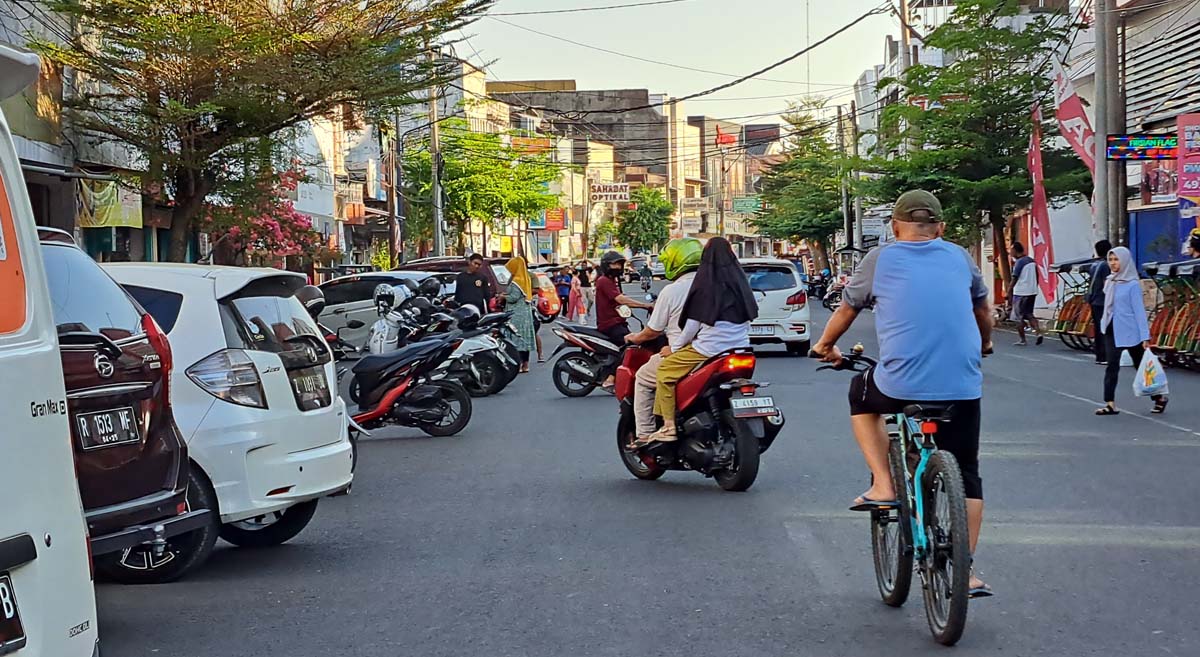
point(857, 362)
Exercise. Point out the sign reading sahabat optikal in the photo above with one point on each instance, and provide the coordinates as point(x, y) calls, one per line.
point(602, 192)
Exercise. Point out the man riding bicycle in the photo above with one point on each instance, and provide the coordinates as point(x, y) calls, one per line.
point(934, 321)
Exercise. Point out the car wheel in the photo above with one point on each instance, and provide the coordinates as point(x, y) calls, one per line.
point(799, 348)
point(270, 529)
point(183, 553)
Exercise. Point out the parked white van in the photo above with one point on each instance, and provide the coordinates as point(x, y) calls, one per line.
point(47, 603)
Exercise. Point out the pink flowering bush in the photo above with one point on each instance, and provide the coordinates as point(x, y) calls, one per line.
point(259, 221)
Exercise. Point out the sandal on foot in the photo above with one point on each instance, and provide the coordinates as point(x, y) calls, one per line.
point(1160, 405)
point(984, 591)
point(864, 503)
point(1107, 410)
point(1039, 340)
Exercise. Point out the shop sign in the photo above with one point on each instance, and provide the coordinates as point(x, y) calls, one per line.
point(1143, 147)
point(556, 219)
point(1189, 165)
point(602, 192)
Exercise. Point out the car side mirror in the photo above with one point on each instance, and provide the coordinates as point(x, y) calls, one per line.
point(355, 324)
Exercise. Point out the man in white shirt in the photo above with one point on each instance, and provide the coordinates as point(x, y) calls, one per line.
point(1024, 292)
point(680, 259)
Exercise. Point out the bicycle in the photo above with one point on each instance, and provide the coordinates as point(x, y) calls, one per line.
point(929, 523)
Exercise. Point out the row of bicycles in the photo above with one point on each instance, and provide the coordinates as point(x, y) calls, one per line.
point(1175, 318)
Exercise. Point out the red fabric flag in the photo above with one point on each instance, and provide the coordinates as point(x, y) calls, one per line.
point(725, 139)
point(1072, 120)
point(1039, 226)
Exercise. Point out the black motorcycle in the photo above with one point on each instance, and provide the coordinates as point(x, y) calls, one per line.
point(396, 388)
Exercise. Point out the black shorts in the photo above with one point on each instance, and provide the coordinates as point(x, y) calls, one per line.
point(960, 437)
point(616, 334)
point(1023, 306)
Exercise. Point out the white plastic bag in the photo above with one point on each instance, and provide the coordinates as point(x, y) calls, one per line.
point(1150, 379)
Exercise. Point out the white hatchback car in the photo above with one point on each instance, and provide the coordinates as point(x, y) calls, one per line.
point(253, 391)
point(783, 314)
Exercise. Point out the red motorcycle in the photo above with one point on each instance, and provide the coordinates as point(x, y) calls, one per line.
point(722, 421)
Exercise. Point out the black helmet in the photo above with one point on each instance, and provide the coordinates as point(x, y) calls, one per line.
point(467, 317)
point(430, 287)
point(312, 298)
point(411, 285)
point(421, 304)
point(609, 259)
point(385, 298)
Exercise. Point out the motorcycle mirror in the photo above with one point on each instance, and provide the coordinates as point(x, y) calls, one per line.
point(355, 324)
point(650, 298)
point(624, 312)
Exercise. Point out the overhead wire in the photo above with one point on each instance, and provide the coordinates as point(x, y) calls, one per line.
point(575, 10)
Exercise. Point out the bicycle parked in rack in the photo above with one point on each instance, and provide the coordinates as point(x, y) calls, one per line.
point(929, 523)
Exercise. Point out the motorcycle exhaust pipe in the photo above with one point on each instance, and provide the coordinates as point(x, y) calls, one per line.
point(580, 369)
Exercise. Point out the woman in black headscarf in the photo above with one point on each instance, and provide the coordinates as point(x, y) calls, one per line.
point(716, 317)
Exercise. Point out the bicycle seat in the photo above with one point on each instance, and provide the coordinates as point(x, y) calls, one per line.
point(930, 412)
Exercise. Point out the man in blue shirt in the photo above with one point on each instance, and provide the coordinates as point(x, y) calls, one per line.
point(934, 323)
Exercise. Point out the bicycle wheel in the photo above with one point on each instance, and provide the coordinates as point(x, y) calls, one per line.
point(946, 569)
point(891, 538)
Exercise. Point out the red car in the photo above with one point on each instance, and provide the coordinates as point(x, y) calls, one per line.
point(548, 303)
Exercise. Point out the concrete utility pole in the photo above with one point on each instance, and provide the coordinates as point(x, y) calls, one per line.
point(858, 207)
point(1117, 200)
point(848, 224)
point(435, 155)
point(721, 197)
point(1104, 79)
point(905, 38)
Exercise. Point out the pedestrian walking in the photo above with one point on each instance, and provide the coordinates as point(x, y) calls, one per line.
point(577, 309)
point(1095, 297)
point(1125, 325)
point(562, 287)
point(1023, 291)
point(518, 298)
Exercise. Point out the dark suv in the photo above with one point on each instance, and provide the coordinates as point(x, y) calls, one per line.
point(129, 457)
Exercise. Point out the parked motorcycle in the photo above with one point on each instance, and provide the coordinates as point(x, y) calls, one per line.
point(398, 388)
point(832, 298)
point(723, 422)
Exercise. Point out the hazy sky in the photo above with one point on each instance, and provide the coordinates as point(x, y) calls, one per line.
point(734, 37)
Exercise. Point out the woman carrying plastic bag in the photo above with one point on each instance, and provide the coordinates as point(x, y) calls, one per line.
point(1126, 327)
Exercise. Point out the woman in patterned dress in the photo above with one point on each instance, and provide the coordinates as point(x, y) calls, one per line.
point(518, 299)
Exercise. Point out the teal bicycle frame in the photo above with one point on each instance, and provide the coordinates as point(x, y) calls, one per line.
point(907, 431)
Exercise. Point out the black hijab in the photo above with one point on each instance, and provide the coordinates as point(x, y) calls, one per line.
point(720, 291)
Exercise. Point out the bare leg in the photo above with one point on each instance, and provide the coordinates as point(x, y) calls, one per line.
point(872, 438)
point(974, 523)
point(1021, 330)
point(1037, 330)
point(537, 338)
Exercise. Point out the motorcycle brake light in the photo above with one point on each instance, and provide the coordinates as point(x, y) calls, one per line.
point(748, 390)
point(739, 362)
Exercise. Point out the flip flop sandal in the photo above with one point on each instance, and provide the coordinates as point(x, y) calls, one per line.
point(1107, 410)
point(1159, 406)
point(541, 359)
point(984, 591)
point(868, 504)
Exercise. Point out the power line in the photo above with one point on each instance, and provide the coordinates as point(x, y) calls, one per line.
point(581, 9)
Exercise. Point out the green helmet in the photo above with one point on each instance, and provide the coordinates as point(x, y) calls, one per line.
point(680, 256)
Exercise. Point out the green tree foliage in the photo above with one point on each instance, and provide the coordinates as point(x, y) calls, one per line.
point(186, 84)
point(803, 197)
point(972, 154)
point(605, 232)
point(648, 227)
point(482, 178)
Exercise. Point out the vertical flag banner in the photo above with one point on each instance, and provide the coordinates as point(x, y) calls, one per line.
point(1189, 165)
point(1072, 120)
point(1039, 227)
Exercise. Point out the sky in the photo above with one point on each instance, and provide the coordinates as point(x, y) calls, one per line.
point(734, 37)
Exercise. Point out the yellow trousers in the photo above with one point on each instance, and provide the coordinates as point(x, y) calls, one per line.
point(672, 369)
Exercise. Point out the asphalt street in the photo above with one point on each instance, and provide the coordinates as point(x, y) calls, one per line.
point(524, 536)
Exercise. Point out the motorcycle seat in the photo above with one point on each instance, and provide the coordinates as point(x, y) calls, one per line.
point(493, 319)
point(584, 330)
point(380, 362)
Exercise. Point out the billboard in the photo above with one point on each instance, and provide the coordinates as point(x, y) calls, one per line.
point(602, 192)
point(538, 222)
point(556, 219)
point(747, 204)
point(1189, 165)
point(1142, 147)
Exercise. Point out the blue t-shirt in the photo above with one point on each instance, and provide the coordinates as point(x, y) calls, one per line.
point(924, 295)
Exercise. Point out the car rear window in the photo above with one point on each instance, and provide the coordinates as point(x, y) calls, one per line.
point(768, 278)
point(162, 305)
point(265, 323)
point(84, 298)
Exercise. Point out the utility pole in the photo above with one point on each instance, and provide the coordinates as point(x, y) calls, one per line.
point(721, 197)
point(394, 195)
point(905, 38)
point(435, 156)
point(858, 207)
point(1117, 200)
point(1104, 79)
point(848, 224)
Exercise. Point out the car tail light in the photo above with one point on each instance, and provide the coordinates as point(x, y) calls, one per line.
point(161, 346)
point(230, 375)
point(797, 300)
point(740, 362)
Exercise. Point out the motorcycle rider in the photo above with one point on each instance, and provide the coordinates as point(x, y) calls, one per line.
point(1194, 243)
point(680, 259)
point(608, 298)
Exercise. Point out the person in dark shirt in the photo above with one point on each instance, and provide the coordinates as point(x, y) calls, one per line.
point(1095, 297)
point(609, 297)
point(562, 287)
point(470, 286)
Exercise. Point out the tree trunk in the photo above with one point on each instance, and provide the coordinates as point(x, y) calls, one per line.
point(819, 257)
point(191, 189)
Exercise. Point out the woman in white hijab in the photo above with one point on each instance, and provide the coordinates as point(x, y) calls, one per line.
point(1125, 325)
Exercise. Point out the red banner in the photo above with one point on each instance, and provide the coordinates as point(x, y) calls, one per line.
point(556, 218)
point(1039, 227)
point(1073, 122)
point(725, 139)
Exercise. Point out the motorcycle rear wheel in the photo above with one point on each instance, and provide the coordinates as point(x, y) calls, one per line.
point(567, 381)
point(453, 421)
point(741, 475)
point(492, 376)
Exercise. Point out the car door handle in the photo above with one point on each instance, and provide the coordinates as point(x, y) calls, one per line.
point(339, 311)
point(17, 551)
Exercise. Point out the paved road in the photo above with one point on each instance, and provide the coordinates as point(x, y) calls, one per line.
point(525, 537)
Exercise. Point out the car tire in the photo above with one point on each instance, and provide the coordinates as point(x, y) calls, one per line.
point(799, 348)
point(285, 526)
point(188, 551)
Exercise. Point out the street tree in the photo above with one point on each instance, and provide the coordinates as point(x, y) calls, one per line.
point(184, 85)
point(483, 179)
point(802, 194)
point(647, 226)
point(972, 152)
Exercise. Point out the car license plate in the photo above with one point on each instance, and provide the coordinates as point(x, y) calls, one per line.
point(752, 406)
point(107, 428)
point(12, 633)
point(762, 330)
point(310, 387)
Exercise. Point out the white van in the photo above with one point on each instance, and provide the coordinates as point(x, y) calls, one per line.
point(47, 602)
